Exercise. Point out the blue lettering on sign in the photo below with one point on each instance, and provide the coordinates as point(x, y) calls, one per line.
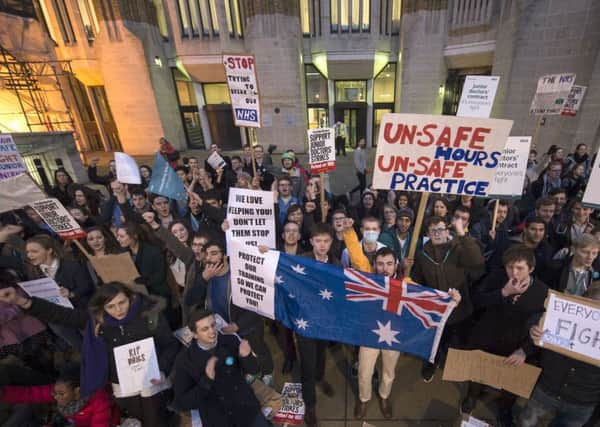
point(412, 182)
point(475, 157)
point(246, 115)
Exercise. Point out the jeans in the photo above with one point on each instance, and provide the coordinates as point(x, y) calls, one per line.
point(564, 414)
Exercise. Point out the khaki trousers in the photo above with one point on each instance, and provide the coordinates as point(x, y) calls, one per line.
point(367, 358)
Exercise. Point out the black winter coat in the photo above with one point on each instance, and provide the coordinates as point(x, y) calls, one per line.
point(73, 276)
point(226, 401)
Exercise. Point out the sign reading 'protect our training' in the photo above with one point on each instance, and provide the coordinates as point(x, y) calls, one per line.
point(438, 154)
point(243, 89)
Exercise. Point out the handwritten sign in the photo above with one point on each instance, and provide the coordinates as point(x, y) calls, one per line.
point(11, 162)
point(292, 411)
point(251, 217)
point(551, 93)
point(477, 96)
point(489, 369)
point(137, 365)
point(128, 171)
point(510, 173)
point(321, 150)
point(243, 89)
point(571, 327)
point(46, 289)
point(574, 100)
point(58, 219)
point(438, 154)
point(591, 196)
point(18, 191)
point(253, 278)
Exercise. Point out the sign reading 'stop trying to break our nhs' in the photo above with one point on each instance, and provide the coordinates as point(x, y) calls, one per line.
point(243, 89)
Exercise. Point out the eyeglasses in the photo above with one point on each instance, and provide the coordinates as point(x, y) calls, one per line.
point(436, 231)
point(556, 170)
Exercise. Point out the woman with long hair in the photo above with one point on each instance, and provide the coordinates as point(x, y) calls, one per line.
point(62, 183)
point(146, 174)
point(116, 316)
point(83, 197)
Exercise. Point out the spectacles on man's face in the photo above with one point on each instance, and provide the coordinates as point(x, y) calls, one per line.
point(556, 170)
point(437, 231)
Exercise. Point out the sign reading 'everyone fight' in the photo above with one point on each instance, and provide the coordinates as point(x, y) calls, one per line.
point(438, 154)
point(243, 89)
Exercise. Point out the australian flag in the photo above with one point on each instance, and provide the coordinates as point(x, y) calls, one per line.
point(323, 301)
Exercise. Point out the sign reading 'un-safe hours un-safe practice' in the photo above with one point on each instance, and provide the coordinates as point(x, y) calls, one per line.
point(243, 89)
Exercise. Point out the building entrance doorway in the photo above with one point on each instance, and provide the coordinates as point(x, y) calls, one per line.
point(354, 116)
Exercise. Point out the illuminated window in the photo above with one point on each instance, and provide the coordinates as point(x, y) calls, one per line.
point(351, 91)
point(89, 19)
point(216, 93)
point(316, 86)
point(161, 19)
point(317, 117)
point(350, 15)
point(396, 16)
point(390, 17)
point(305, 17)
point(47, 21)
point(64, 21)
point(384, 84)
point(198, 17)
point(184, 17)
point(234, 19)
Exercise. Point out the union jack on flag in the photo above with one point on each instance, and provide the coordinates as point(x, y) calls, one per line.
point(427, 305)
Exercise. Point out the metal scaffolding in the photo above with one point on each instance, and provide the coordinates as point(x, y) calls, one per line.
point(34, 83)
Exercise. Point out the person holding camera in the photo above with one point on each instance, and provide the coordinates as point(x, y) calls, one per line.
point(210, 376)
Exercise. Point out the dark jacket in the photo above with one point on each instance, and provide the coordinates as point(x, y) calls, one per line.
point(100, 179)
point(504, 324)
point(226, 401)
point(152, 266)
point(63, 196)
point(73, 276)
point(149, 323)
point(390, 239)
point(558, 275)
point(445, 266)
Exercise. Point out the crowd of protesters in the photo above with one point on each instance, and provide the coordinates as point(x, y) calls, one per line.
point(58, 367)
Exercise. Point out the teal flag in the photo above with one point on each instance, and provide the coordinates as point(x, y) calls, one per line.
point(165, 181)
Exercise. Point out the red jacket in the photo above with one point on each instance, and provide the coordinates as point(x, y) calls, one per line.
point(98, 412)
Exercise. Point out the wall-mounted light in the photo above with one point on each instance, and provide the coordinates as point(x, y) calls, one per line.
point(158, 61)
point(441, 90)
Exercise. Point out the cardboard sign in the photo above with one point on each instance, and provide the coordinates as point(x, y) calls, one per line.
point(321, 150)
point(58, 219)
point(591, 196)
point(243, 89)
point(292, 411)
point(551, 93)
point(253, 278)
point(489, 369)
point(11, 162)
point(47, 289)
point(115, 268)
point(216, 161)
point(18, 191)
point(137, 364)
point(251, 217)
point(438, 154)
point(477, 96)
point(510, 174)
point(571, 327)
point(128, 171)
point(574, 100)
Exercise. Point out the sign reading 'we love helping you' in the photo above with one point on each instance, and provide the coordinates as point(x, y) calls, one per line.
point(439, 154)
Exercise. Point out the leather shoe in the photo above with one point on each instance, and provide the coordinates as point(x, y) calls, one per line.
point(360, 409)
point(310, 416)
point(386, 408)
point(326, 388)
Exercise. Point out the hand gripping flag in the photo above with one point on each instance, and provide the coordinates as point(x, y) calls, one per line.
point(165, 181)
point(323, 301)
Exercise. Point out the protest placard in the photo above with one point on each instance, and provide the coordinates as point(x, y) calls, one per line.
point(58, 219)
point(216, 161)
point(321, 150)
point(128, 171)
point(18, 191)
point(477, 96)
point(117, 268)
point(251, 217)
point(184, 336)
point(591, 196)
point(551, 93)
point(47, 289)
point(11, 162)
point(137, 365)
point(574, 100)
point(489, 369)
point(292, 411)
point(571, 327)
point(165, 181)
point(473, 422)
point(240, 71)
point(253, 278)
point(510, 172)
point(438, 154)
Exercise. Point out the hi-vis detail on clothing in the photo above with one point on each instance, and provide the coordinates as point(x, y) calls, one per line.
point(327, 302)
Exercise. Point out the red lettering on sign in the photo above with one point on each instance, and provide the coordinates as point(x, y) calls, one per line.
point(462, 134)
point(479, 136)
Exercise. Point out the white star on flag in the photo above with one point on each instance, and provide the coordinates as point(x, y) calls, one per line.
point(326, 294)
point(278, 280)
point(292, 296)
point(298, 269)
point(301, 324)
point(386, 334)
